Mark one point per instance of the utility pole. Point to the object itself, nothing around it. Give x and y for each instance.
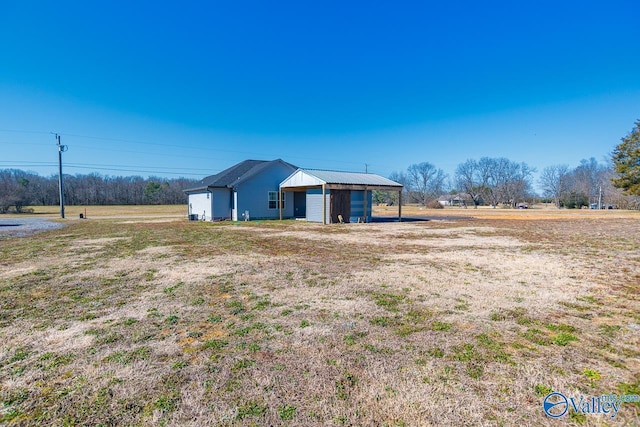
(366, 168)
(600, 198)
(61, 149)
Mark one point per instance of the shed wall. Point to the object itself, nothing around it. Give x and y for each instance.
(357, 205)
(340, 205)
(314, 204)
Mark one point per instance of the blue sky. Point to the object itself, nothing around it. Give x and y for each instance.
(169, 89)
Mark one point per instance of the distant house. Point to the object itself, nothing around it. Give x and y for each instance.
(328, 196)
(460, 199)
(246, 190)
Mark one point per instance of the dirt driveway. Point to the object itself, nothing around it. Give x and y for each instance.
(18, 227)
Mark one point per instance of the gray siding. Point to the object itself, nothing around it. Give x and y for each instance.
(253, 194)
(221, 203)
(314, 205)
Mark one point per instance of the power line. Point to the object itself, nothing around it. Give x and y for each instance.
(24, 161)
(24, 143)
(205, 149)
(100, 165)
(129, 141)
(212, 151)
(114, 169)
(182, 156)
(24, 131)
(137, 170)
(132, 166)
(109, 150)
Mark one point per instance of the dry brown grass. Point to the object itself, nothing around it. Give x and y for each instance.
(541, 211)
(73, 212)
(468, 322)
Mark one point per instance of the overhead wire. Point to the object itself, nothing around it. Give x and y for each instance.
(137, 170)
(196, 148)
(115, 168)
(206, 149)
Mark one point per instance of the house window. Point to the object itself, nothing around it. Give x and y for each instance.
(273, 200)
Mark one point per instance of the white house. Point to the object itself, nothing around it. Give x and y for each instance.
(249, 189)
(460, 199)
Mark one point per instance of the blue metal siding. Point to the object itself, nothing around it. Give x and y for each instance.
(357, 205)
(314, 205)
(253, 195)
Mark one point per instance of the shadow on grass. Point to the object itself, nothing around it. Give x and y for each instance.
(420, 218)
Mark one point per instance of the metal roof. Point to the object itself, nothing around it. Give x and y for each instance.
(319, 177)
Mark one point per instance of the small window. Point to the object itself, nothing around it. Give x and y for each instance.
(273, 200)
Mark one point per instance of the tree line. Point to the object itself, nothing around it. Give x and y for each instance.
(589, 184)
(19, 189)
(487, 181)
(500, 181)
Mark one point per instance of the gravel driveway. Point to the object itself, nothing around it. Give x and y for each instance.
(18, 227)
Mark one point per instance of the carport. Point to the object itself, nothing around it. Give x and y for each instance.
(330, 196)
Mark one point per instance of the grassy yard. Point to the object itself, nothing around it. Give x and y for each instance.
(99, 212)
(147, 319)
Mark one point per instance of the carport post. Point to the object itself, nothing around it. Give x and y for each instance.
(280, 203)
(365, 204)
(324, 204)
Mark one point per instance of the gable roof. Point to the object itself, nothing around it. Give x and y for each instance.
(316, 177)
(236, 174)
(356, 178)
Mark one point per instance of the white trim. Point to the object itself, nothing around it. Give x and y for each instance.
(234, 209)
(280, 200)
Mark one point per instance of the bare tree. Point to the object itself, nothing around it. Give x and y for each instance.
(496, 180)
(554, 182)
(426, 182)
(586, 184)
(488, 176)
(517, 183)
(471, 180)
(587, 178)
